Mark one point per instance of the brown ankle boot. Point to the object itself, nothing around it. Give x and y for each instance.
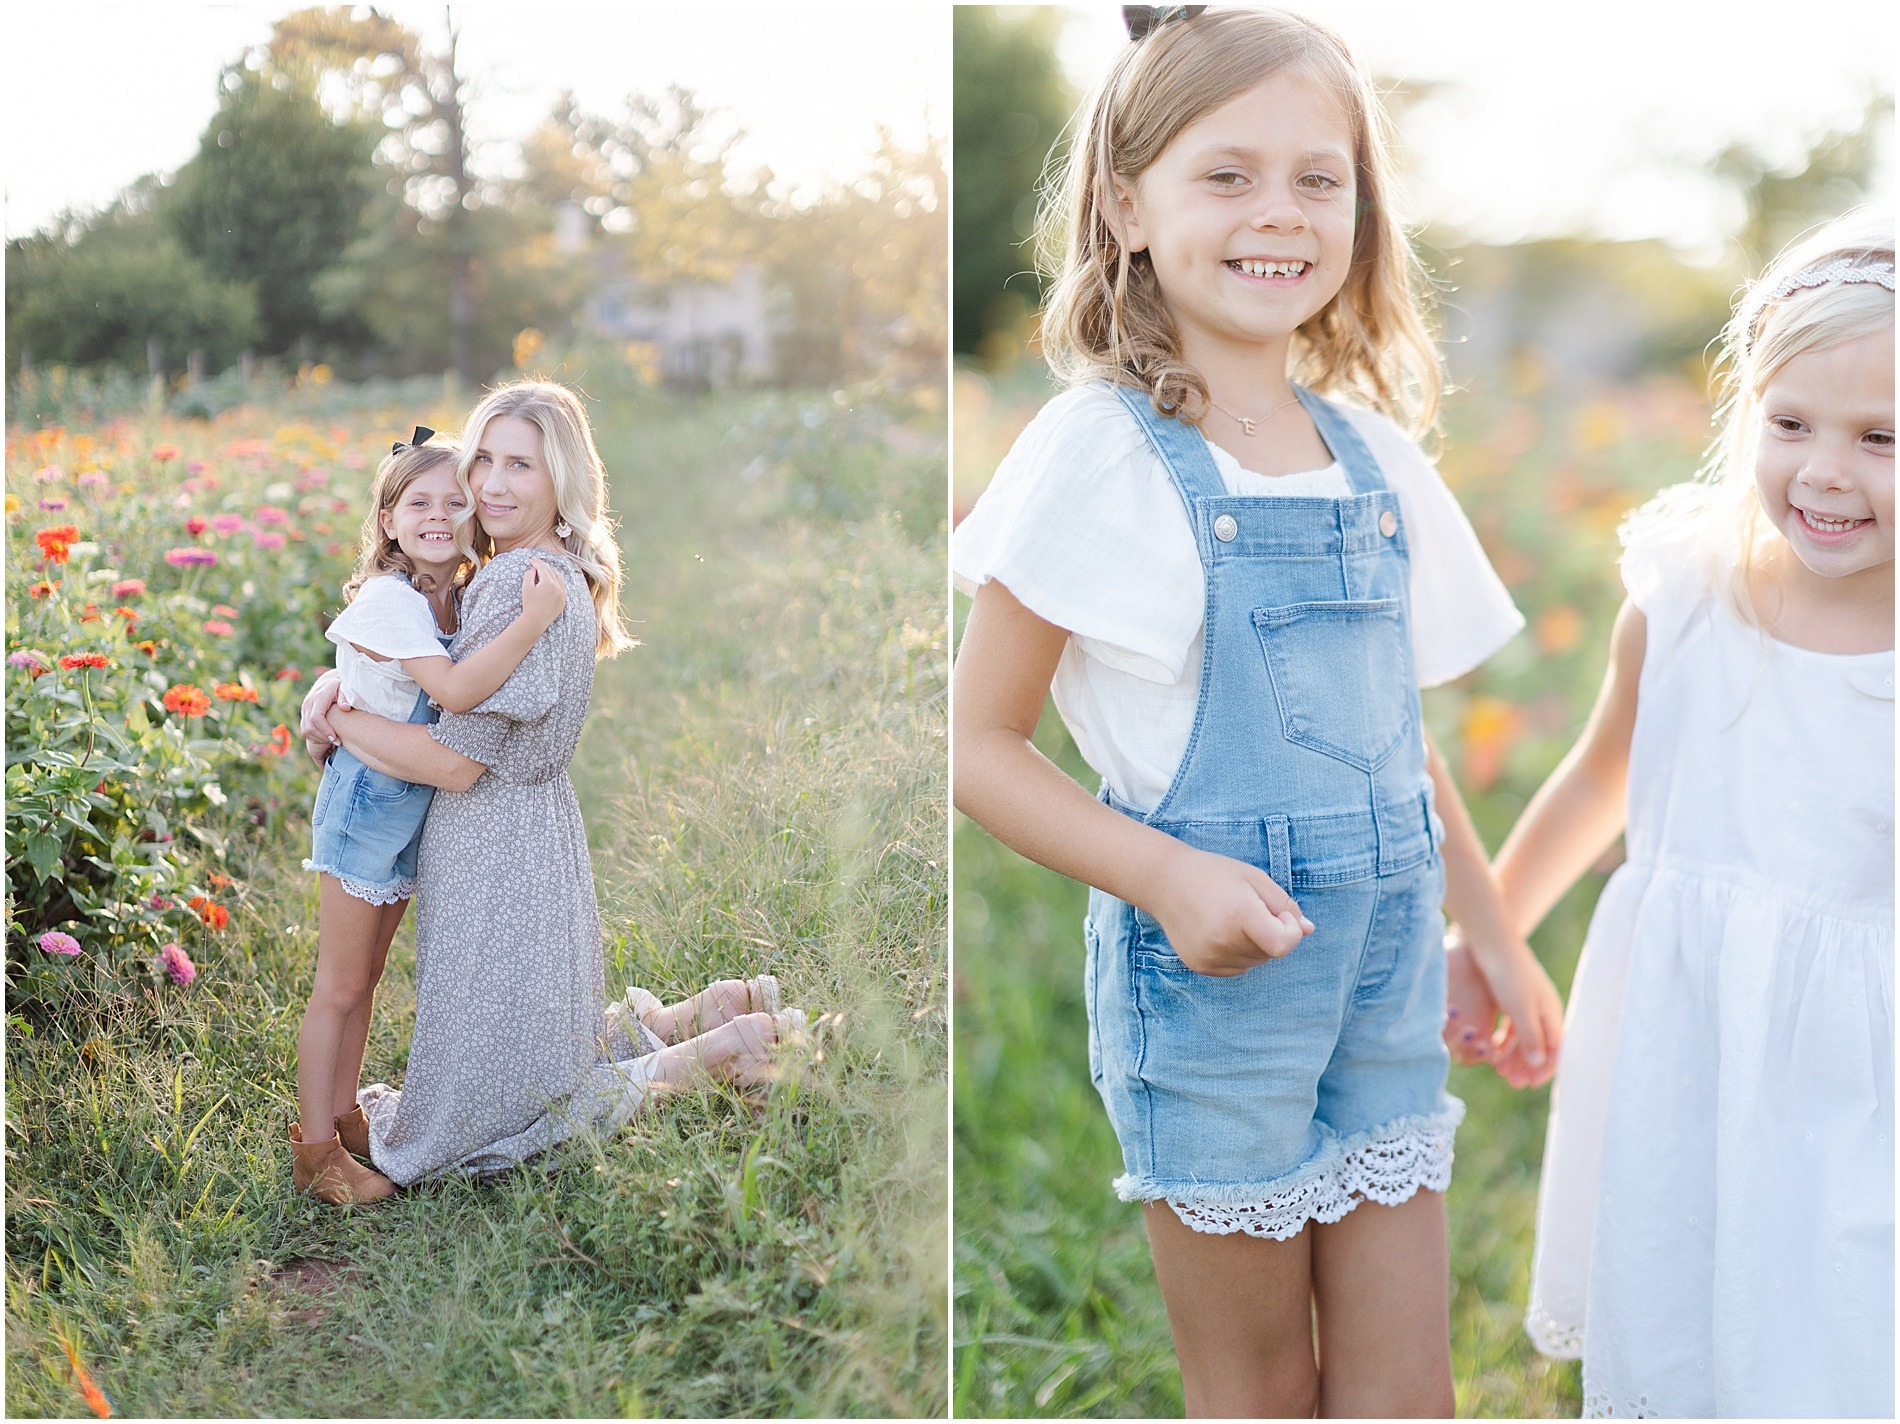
(334, 1176)
(352, 1130)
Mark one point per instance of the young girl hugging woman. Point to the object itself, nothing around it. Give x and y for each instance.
(1234, 586)
(392, 657)
(1715, 1226)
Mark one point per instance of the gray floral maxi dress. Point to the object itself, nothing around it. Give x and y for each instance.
(512, 1049)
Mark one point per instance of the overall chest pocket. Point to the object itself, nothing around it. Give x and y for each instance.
(1341, 675)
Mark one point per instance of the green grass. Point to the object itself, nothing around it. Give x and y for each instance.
(1057, 1312)
(763, 784)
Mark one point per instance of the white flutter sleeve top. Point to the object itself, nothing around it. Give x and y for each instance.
(1082, 524)
(391, 617)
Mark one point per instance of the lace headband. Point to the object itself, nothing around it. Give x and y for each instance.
(1841, 271)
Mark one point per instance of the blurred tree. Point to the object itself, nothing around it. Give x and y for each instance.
(1011, 103)
(99, 290)
(274, 194)
(1782, 201)
(863, 270)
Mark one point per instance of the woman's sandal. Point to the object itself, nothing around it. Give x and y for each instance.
(331, 1174)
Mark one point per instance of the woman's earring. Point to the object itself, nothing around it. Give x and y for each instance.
(563, 529)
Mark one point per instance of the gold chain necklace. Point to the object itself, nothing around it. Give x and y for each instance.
(1246, 425)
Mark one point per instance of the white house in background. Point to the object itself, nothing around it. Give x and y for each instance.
(708, 335)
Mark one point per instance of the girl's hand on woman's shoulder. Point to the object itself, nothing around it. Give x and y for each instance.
(543, 594)
(1224, 916)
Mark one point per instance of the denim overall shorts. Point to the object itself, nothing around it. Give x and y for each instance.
(1293, 1091)
(367, 826)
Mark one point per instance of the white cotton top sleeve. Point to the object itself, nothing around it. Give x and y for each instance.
(1083, 525)
(390, 617)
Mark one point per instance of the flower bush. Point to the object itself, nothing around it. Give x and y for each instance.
(178, 578)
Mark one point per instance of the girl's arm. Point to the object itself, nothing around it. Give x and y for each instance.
(404, 750)
(465, 685)
(1569, 823)
(1510, 971)
(1579, 810)
(1222, 916)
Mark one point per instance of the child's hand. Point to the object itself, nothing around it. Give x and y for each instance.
(1526, 1048)
(1471, 1013)
(1224, 916)
(543, 596)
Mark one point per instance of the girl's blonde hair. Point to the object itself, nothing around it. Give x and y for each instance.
(378, 553)
(1718, 515)
(580, 492)
(1105, 317)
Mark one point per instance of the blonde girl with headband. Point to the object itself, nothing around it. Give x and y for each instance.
(392, 658)
(515, 1047)
(1715, 1225)
(1224, 555)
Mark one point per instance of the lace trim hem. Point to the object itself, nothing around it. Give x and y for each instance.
(1554, 1339)
(1597, 1404)
(1387, 1165)
(389, 894)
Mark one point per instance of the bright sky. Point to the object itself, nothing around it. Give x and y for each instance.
(114, 90)
(1593, 117)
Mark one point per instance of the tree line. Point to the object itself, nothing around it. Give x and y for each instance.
(331, 214)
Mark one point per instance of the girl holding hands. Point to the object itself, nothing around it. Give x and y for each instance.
(1715, 1225)
(1234, 587)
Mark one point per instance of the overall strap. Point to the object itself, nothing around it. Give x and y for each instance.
(1362, 471)
(1181, 447)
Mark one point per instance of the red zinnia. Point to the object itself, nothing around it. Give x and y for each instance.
(195, 525)
(83, 660)
(279, 740)
(210, 911)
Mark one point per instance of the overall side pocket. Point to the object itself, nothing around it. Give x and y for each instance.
(1341, 674)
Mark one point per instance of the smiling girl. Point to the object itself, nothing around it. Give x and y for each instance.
(1715, 1226)
(392, 655)
(1234, 588)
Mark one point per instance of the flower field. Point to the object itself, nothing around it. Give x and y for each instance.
(1056, 1307)
(168, 584)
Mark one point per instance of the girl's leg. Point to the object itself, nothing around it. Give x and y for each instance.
(716, 1004)
(1240, 1309)
(347, 933)
(1382, 1288)
(349, 1063)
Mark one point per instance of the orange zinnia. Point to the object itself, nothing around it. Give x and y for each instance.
(210, 911)
(185, 698)
(83, 660)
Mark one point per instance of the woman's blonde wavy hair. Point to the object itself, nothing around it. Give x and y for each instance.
(1106, 317)
(376, 552)
(1718, 515)
(580, 493)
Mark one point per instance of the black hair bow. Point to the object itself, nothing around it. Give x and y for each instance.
(1144, 20)
(422, 436)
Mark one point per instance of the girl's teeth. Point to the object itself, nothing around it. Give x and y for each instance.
(1257, 267)
(1829, 526)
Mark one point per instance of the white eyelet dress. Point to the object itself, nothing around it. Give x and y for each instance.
(1715, 1225)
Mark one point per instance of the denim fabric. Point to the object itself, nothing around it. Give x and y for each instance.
(1307, 759)
(366, 827)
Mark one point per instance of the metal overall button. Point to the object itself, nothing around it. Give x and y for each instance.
(1388, 524)
(1225, 528)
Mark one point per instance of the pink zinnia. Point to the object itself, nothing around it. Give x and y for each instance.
(217, 627)
(26, 658)
(196, 467)
(53, 942)
(180, 558)
(92, 479)
(46, 474)
(128, 588)
(269, 514)
(177, 964)
(268, 539)
(227, 523)
(54, 504)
